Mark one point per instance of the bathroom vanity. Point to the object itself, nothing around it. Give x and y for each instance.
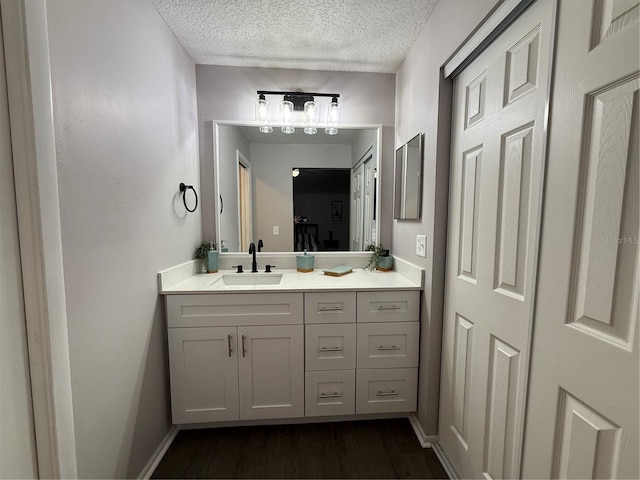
(289, 345)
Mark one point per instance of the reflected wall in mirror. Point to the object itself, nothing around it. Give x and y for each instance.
(255, 188)
(407, 193)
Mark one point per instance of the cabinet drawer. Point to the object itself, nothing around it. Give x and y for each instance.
(330, 347)
(334, 307)
(388, 345)
(234, 309)
(389, 306)
(387, 390)
(330, 393)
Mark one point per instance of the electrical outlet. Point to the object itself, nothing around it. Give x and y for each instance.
(421, 245)
(276, 230)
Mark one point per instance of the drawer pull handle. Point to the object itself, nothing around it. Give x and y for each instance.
(392, 347)
(389, 307)
(244, 345)
(325, 308)
(330, 349)
(330, 395)
(390, 393)
(229, 344)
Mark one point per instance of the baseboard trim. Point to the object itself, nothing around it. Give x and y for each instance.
(424, 439)
(444, 460)
(155, 459)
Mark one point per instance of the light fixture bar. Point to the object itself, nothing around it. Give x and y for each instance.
(297, 98)
(270, 92)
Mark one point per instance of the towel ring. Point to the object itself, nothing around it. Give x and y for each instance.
(183, 189)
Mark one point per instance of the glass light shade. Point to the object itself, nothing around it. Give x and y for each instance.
(295, 172)
(262, 115)
(286, 116)
(310, 117)
(333, 117)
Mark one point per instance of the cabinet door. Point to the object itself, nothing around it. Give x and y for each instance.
(271, 363)
(204, 374)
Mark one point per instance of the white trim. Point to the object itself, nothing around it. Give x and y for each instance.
(157, 456)
(426, 441)
(477, 38)
(444, 461)
(35, 171)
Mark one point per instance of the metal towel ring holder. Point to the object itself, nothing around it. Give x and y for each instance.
(183, 189)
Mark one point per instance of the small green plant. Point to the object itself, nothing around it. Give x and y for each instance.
(202, 249)
(378, 252)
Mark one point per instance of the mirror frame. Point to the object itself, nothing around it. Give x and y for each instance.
(401, 176)
(237, 123)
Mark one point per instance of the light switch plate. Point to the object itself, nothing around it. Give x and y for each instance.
(276, 230)
(421, 245)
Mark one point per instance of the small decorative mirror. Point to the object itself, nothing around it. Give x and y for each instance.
(408, 180)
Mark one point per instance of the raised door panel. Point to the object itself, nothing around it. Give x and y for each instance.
(271, 365)
(204, 374)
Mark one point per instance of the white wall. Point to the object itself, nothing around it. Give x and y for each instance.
(17, 441)
(229, 93)
(231, 139)
(273, 194)
(126, 136)
(422, 105)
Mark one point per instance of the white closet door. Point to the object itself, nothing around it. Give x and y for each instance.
(582, 419)
(497, 167)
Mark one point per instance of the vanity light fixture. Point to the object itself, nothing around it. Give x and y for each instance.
(333, 117)
(262, 114)
(298, 101)
(295, 172)
(286, 116)
(310, 117)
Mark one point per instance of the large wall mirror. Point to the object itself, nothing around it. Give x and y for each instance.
(294, 192)
(407, 194)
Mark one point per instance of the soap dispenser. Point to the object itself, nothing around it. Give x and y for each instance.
(304, 262)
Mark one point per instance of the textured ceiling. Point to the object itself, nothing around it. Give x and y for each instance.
(342, 35)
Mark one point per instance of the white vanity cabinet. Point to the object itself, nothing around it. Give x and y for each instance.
(361, 352)
(277, 355)
(330, 353)
(236, 356)
(388, 333)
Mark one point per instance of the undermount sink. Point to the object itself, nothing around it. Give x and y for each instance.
(249, 279)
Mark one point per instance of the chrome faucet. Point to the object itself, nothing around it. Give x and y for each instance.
(254, 263)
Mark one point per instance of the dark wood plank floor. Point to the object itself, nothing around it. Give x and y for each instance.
(363, 449)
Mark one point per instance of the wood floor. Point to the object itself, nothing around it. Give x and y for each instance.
(363, 449)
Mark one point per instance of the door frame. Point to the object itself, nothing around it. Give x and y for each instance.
(35, 172)
(497, 21)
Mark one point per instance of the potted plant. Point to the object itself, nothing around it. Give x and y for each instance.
(207, 252)
(379, 259)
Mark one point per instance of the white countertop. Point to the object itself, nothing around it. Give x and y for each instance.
(183, 279)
